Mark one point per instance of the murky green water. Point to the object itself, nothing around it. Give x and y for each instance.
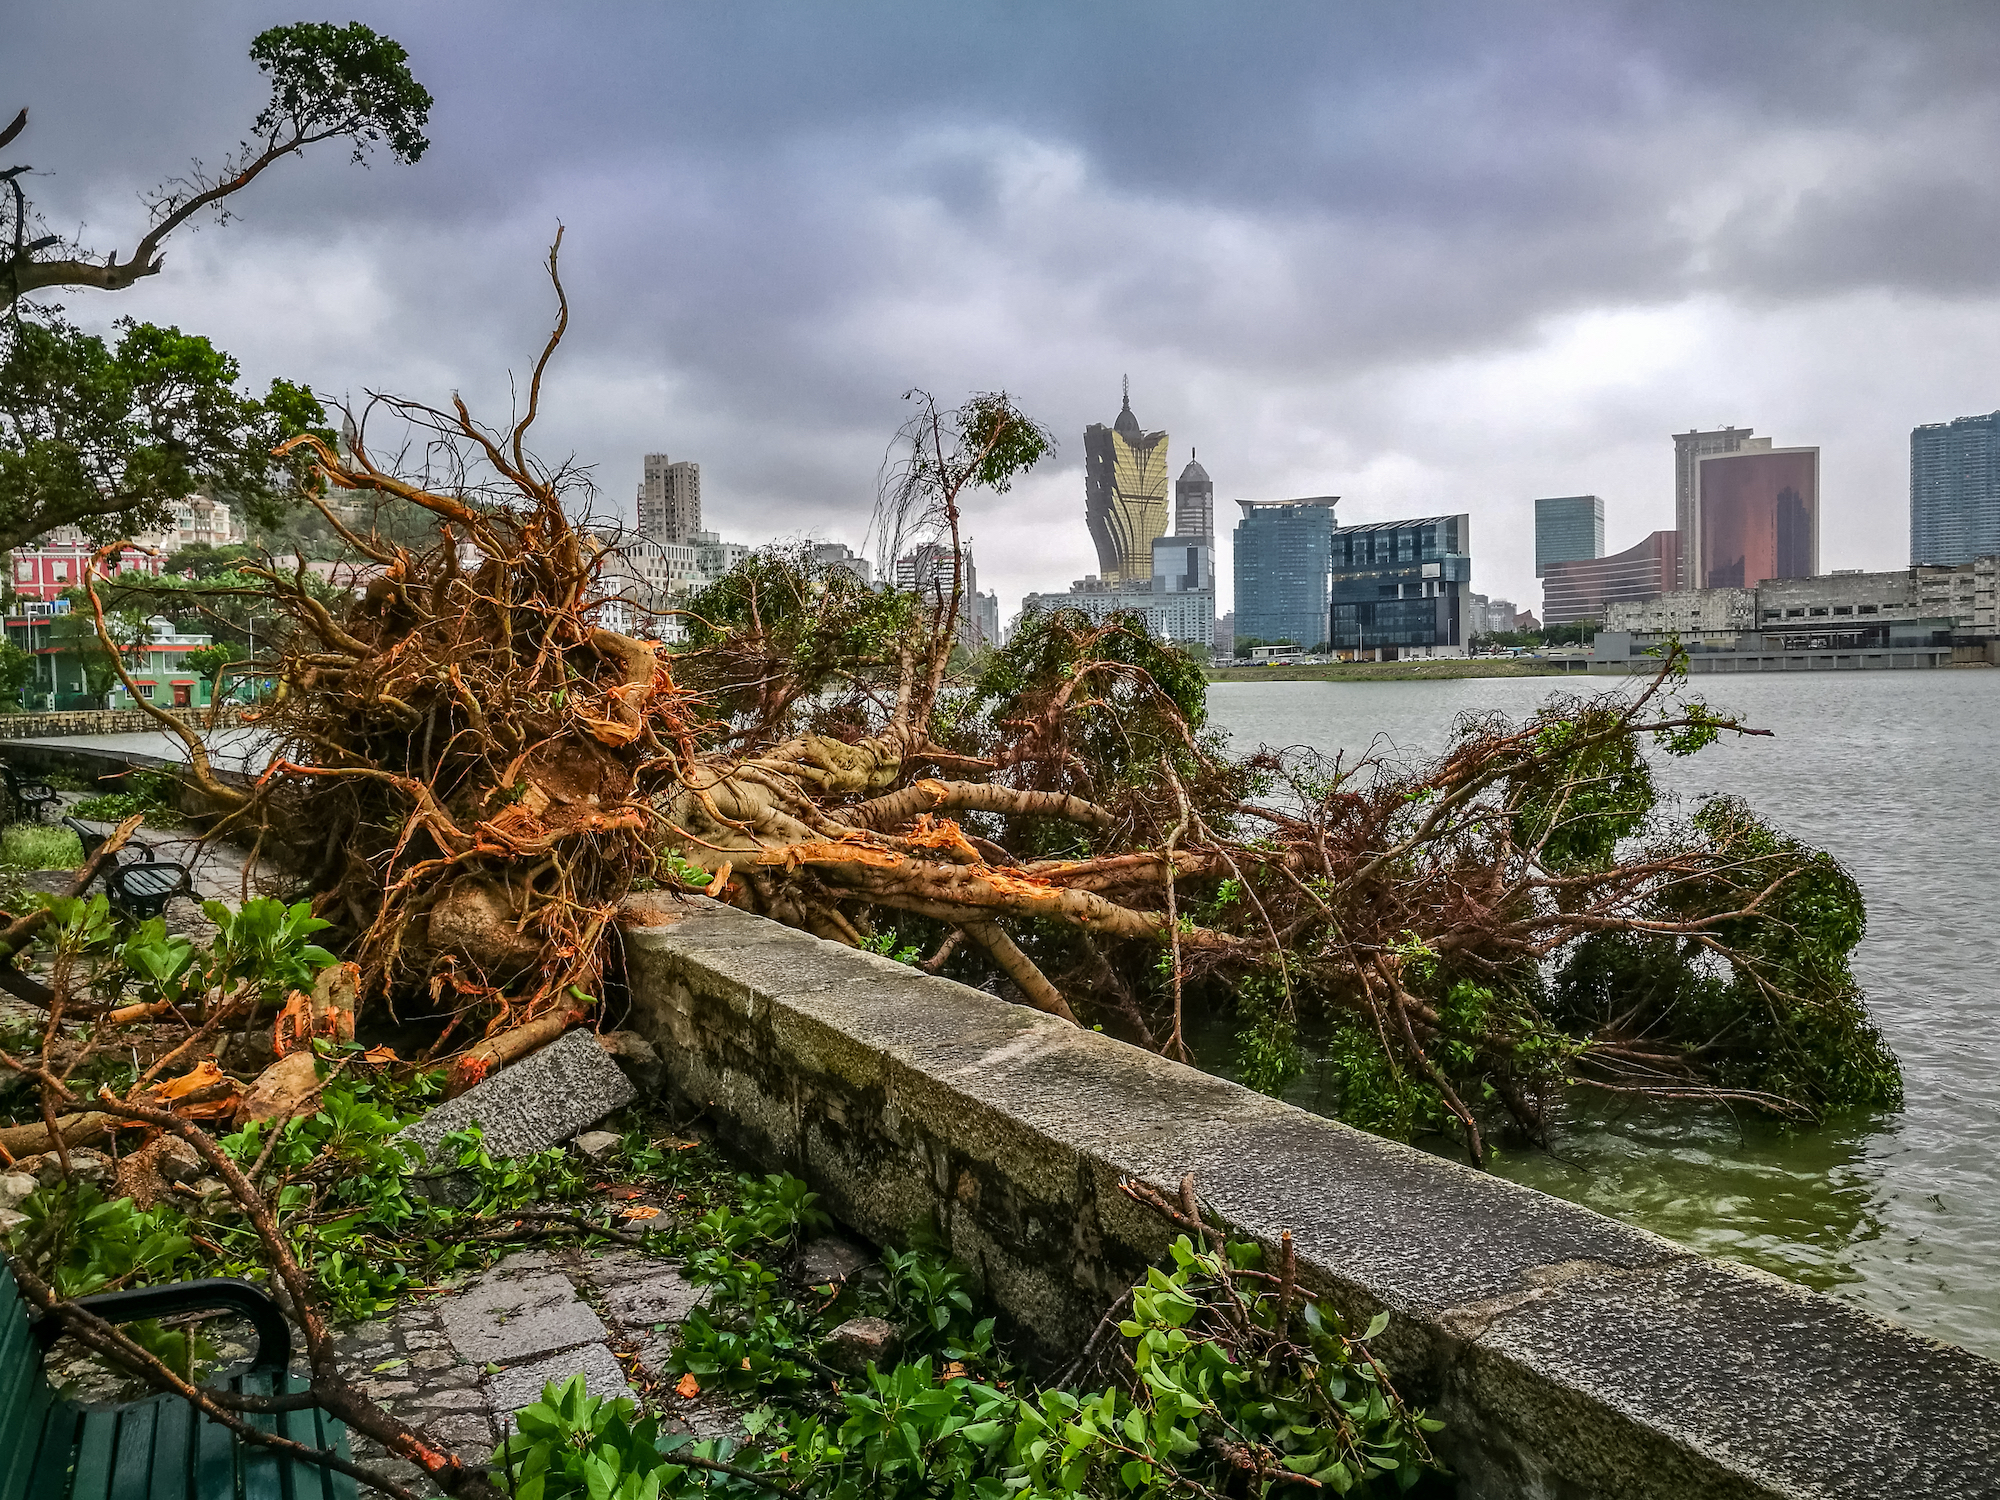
(1896, 774)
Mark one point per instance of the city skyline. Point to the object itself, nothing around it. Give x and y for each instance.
(1318, 278)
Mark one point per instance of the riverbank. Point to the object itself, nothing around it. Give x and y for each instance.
(1393, 671)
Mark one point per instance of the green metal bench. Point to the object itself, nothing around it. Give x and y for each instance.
(161, 1448)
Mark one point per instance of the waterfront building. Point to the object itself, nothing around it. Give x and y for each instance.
(988, 611)
(1964, 598)
(1955, 491)
(1194, 502)
(1125, 494)
(1484, 616)
(669, 502)
(1225, 637)
(1756, 517)
(639, 581)
(1568, 528)
(1399, 588)
(1284, 561)
(1173, 606)
(1573, 592)
(1689, 449)
(840, 555)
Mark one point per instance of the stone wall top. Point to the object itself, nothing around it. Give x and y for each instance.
(1573, 1356)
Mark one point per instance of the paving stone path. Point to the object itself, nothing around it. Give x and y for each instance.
(462, 1362)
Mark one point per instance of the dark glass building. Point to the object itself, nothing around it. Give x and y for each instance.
(1400, 585)
(1568, 528)
(1955, 491)
(1284, 553)
(1194, 502)
(1756, 517)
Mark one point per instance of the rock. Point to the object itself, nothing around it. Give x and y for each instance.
(178, 1161)
(16, 1188)
(500, 1319)
(595, 1145)
(286, 1087)
(521, 1385)
(639, 1059)
(10, 1220)
(539, 1102)
(213, 1194)
(832, 1259)
(663, 1297)
(860, 1342)
(85, 1165)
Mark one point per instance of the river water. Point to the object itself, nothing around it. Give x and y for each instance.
(1894, 774)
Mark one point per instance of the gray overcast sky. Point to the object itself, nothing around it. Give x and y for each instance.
(1429, 257)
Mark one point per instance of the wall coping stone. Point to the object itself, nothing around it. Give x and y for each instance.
(1574, 1356)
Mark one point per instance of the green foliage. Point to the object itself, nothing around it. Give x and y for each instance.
(84, 1244)
(17, 671)
(1588, 787)
(782, 628)
(107, 437)
(340, 82)
(35, 846)
(265, 940)
(1781, 1014)
(1268, 1056)
(154, 793)
(889, 945)
(1315, 1406)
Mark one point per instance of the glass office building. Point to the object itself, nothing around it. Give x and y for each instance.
(1756, 517)
(1284, 555)
(1568, 528)
(1400, 585)
(1574, 592)
(1955, 491)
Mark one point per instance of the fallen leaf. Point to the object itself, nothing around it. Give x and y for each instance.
(746, 1362)
(388, 1364)
(642, 1212)
(687, 1387)
(627, 1194)
(953, 1370)
(380, 1057)
(204, 1075)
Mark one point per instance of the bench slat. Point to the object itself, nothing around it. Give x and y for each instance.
(214, 1460)
(133, 1460)
(96, 1445)
(173, 1452)
(24, 1394)
(59, 1434)
(316, 1429)
(263, 1470)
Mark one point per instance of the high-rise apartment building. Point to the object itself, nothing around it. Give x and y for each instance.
(1194, 502)
(1955, 491)
(1568, 528)
(928, 571)
(670, 500)
(1574, 592)
(1689, 450)
(1125, 494)
(1401, 587)
(1756, 517)
(1284, 557)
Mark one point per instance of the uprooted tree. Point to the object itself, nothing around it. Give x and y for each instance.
(472, 772)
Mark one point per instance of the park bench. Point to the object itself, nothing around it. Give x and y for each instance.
(161, 1448)
(28, 796)
(142, 886)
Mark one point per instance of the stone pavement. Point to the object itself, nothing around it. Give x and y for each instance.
(461, 1363)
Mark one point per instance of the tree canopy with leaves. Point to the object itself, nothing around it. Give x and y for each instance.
(327, 83)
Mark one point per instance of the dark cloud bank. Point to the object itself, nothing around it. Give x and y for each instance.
(1429, 257)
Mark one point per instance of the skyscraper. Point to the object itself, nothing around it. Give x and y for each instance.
(1125, 494)
(670, 500)
(1284, 556)
(1194, 502)
(1756, 517)
(1401, 586)
(1955, 491)
(1568, 528)
(1689, 450)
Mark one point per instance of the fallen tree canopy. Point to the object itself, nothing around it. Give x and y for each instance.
(474, 772)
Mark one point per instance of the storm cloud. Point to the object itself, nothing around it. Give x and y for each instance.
(1431, 257)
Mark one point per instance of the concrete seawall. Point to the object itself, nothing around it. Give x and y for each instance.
(1572, 1356)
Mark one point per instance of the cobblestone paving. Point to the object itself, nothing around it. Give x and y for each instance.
(461, 1362)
